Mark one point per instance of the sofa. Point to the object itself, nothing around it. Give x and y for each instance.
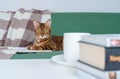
(62, 22)
(94, 23)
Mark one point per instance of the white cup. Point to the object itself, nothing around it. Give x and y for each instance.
(71, 46)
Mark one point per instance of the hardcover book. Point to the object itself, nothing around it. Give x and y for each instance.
(108, 40)
(88, 72)
(104, 58)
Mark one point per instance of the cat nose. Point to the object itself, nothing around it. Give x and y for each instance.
(42, 37)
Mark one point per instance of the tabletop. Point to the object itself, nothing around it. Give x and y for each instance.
(35, 69)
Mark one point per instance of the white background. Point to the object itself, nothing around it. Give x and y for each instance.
(63, 5)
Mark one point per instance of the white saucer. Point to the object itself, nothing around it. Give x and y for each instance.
(60, 60)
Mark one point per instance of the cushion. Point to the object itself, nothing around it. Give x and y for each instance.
(5, 19)
(12, 30)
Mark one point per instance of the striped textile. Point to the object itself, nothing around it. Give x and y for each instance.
(5, 19)
(21, 31)
(12, 30)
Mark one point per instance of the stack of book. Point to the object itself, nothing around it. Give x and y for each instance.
(100, 56)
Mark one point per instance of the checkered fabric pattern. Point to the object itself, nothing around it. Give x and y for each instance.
(21, 30)
(12, 30)
(5, 19)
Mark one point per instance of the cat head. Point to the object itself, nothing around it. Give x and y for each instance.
(42, 30)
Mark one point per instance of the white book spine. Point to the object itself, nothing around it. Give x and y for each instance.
(96, 72)
(99, 40)
(108, 43)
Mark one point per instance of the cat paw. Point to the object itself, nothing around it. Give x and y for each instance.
(38, 48)
(34, 48)
(30, 47)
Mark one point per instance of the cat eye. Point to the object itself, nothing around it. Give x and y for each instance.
(38, 31)
(46, 30)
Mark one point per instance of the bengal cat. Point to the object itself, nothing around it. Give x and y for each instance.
(44, 40)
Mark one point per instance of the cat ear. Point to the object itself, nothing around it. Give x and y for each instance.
(36, 24)
(48, 23)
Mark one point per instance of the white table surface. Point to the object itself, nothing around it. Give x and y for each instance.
(35, 69)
